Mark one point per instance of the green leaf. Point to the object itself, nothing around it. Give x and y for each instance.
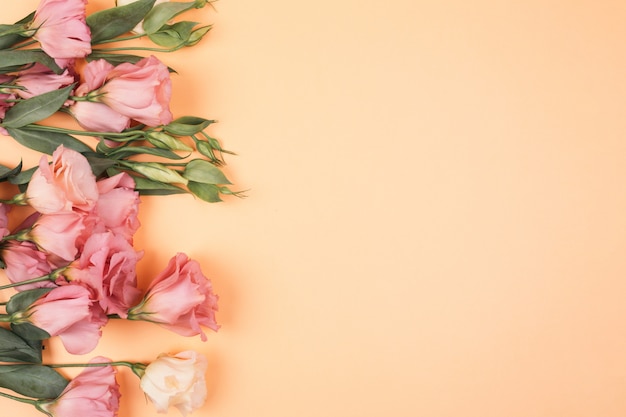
(35, 381)
(187, 125)
(147, 186)
(24, 57)
(46, 142)
(9, 35)
(24, 299)
(162, 13)
(30, 331)
(197, 35)
(23, 177)
(171, 36)
(114, 59)
(98, 163)
(15, 349)
(199, 170)
(110, 23)
(6, 173)
(36, 108)
(206, 192)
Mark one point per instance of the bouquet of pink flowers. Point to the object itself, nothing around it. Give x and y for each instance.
(73, 251)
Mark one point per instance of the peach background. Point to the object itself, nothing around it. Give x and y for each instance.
(436, 221)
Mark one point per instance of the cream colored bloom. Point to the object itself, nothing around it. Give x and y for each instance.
(139, 28)
(176, 381)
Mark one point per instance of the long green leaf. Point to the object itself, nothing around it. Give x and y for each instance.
(46, 142)
(147, 186)
(23, 57)
(35, 381)
(6, 173)
(162, 13)
(36, 108)
(206, 192)
(15, 349)
(110, 23)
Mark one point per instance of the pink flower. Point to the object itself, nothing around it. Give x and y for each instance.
(140, 91)
(24, 261)
(61, 29)
(69, 312)
(94, 393)
(64, 185)
(107, 266)
(118, 205)
(4, 219)
(176, 381)
(180, 299)
(40, 79)
(57, 234)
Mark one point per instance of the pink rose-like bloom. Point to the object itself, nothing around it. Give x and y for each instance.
(65, 185)
(180, 299)
(57, 234)
(4, 219)
(176, 381)
(94, 393)
(107, 266)
(140, 92)
(61, 29)
(69, 312)
(39, 79)
(118, 206)
(24, 261)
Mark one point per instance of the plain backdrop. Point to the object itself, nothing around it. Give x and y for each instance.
(435, 221)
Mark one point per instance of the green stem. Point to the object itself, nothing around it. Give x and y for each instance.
(49, 277)
(127, 38)
(130, 48)
(21, 45)
(90, 365)
(43, 128)
(20, 399)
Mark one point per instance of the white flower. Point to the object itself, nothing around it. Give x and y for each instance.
(139, 28)
(176, 381)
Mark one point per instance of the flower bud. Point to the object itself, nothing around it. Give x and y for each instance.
(158, 172)
(164, 141)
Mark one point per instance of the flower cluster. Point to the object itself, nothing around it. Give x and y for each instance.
(70, 260)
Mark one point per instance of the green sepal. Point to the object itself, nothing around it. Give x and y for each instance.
(35, 381)
(17, 58)
(199, 170)
(46, 142)
(36, 108)
(207, 192)
(187, 125)
(6, 173)
(110, 23)
(164, 12)
(15, 349)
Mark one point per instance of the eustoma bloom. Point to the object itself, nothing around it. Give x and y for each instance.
(180, 299)
(176, 381)
(67, 312)
(61, 29)
(94, 393)
(112, 96)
